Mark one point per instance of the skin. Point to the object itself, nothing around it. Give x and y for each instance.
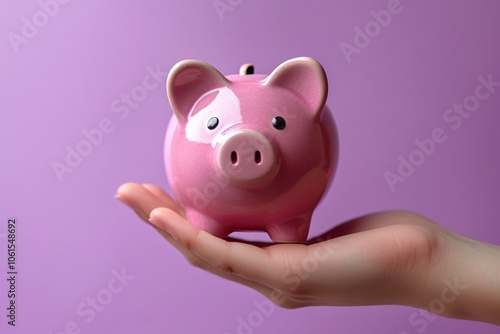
(393, 257)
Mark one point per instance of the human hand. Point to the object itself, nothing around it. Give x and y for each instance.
(395, 257)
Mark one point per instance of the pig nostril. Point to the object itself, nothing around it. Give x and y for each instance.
(234, 157)
(258, 157)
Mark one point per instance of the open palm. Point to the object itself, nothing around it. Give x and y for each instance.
(368, 260)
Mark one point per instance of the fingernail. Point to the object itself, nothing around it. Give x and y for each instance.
(161, 224)
(137, 211)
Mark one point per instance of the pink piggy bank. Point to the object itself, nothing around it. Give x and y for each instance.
(250, 151)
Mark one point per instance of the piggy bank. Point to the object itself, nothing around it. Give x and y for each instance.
(249, 151)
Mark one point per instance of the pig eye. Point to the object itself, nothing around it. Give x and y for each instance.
(279, 123)
(212, 123)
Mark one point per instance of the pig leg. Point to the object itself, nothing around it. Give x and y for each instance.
(207, 224)
(293, 230)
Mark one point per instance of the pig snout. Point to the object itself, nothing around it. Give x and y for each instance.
(247, 157)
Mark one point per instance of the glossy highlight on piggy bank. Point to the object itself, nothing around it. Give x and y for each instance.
(250, 152)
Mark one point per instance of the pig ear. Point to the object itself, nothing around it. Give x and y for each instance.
(304, 77)
(187, 81)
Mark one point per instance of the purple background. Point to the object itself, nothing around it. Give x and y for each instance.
(72, 233)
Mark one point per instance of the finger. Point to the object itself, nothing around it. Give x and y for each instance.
(145, 198)
(140, 199)
(199, 262)
(370, 222)
(244, 260)
(170, 203)
(167, 200)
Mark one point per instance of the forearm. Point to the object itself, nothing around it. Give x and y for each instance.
(465, 282)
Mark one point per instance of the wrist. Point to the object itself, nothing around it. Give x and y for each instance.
(464, 280)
